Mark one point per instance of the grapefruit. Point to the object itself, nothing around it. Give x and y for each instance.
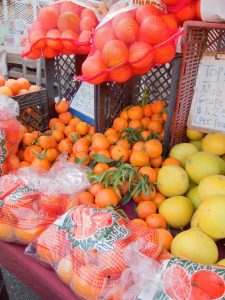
(211, 217)
(194, 135)
(140, 55)
(214, 143)
(197, 144)
(47, 18)
(182, 151)
(94, 66)
(153, 30)
(211, 186)
(194, 219)
(193, 244)
(172, 181)
(201, 165)
(193, 195)
(68, 20)
(177, 211)
(221, 262)
(126, 30)
(114, 53)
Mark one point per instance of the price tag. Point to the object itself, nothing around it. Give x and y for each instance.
(207, 112)
(82, 104)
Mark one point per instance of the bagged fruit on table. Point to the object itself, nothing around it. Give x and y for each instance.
(129, 41)
(175, 278)
(31, 200)
(86, 247)
(205, 10)
(11, 133)
(63, 27)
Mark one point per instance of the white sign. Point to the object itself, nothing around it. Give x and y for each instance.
(82, 104)
(208, 106)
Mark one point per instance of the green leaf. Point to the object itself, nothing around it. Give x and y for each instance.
(80, 160)
(75, 137)
(102, 159)
(126, 199)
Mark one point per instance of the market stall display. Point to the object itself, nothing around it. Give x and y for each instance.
(64, 27)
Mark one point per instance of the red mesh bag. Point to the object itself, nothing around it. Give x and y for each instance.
(86, 247)
(26, 208)
(11, 133)
(130, 41)
(64, 27)
(184, 10)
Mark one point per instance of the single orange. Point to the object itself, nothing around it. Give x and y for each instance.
(44, 142)
(28, 139)
(156, 162)
(155, 126)
(139, 222)
(107, 197)
(82, 128)
(171, 161)
(150, 172)
(139, 158)
(100, 168)
(153, 148)
(120, 123)
(85, 197)
(135, 113)
(65, 146)
(96, 187)
(145, 208)
(159, 199)
(120, 153)
(65, 117)
(166, 238)
(51, 154)
(135, 124)
(61, 106)
(156, 221)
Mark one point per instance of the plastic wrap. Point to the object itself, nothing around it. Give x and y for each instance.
(32, 200)
(129, 41)
(175, 278)
(11, 133)
(63, 27)
(86, 247)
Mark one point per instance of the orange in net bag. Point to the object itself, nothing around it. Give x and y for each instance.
(35, 199)
(129, 41)
(86, 247)
(63, 27)
(11, 133)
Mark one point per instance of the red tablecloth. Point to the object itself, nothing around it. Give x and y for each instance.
(41, 280)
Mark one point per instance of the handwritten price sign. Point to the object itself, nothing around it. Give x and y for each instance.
(208, 106)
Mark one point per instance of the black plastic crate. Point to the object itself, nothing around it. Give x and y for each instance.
(34, 111)
(111, 98)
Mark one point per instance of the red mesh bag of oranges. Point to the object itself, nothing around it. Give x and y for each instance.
(11, 133)
(86, 247)
(130, 41)
(26, 208)
(64, 27)
(174, 279)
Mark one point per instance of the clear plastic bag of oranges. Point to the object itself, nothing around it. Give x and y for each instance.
(11, 133)
(129, 41)
(63, 27)
(175, 278)
(86, 247)
(27, 207)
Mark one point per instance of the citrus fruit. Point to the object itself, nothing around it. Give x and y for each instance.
(53, 39)
(103, 35)
(121, 74)
(47, 18)
(182, 152)
(68, 20)
(140, 55)
(145, 11)
(176, 283)
(211, 186)
(211, 217)
(139, 158)
(194, 135)
(172, 181)
(153, 30)
(177, 211)
(197, 144)
(65, 269)
(114, 53)
(156, 221)
(2, 80)
(221, 262)
(194, 219)
(193, 244)
(126, 30)
(193, 195)
(146, 208)
(214, 143)
(94, 67)
(6, 230)
(164, 54)
(201, 165)
(165, 237)
(222, 165)
(4, 90)
(106, 197)
(187, 12)
(26, 235)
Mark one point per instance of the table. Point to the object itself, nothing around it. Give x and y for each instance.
(41, 280)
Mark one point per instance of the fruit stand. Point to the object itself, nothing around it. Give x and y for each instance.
(112, 174)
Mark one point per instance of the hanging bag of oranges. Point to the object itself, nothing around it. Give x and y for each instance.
(86, 247)
(31, 200)
(129, 41)
(11, 133)
(63, 27)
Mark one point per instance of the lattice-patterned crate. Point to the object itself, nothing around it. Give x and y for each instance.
(111, 97)
(34, 113)
(200, 38)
